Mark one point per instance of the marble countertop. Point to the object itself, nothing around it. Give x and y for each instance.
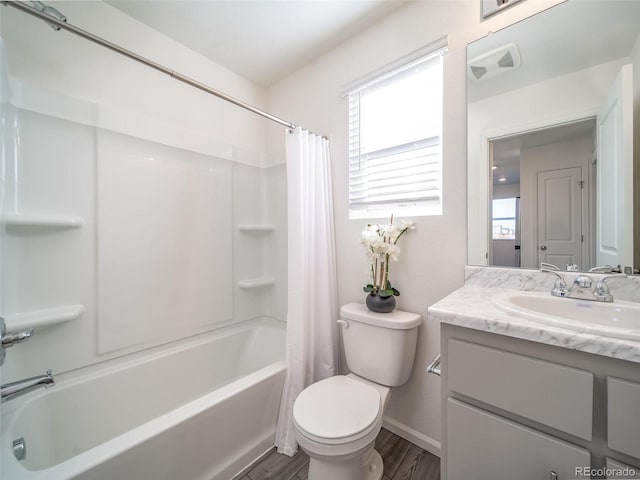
(471, 307)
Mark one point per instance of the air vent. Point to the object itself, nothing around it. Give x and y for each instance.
(478, 72)
(495, 62)
(506, 61)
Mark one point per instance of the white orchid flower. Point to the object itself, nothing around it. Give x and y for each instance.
(380, 247)
(408, 224)
(393, 251)
(368, 237)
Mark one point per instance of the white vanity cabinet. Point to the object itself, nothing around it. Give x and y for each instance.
(517, 409)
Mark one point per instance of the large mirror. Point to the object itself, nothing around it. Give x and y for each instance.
(550, 139)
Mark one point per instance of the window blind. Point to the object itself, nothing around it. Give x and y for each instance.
(395, 152)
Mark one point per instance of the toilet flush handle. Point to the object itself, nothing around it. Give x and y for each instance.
(343, 323)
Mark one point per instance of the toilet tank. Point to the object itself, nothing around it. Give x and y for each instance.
(379, 346)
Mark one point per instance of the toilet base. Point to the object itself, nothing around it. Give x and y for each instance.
(366, 467)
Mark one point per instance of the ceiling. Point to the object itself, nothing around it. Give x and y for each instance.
(506, 151)
(261, 40)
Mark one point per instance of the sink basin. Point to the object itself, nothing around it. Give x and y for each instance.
(617, 319)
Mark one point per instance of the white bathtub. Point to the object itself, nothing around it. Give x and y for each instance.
(200, 410)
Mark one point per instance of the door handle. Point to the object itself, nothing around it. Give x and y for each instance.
(543, 247)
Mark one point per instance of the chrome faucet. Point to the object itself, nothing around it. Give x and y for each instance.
(21, 387)
(581, 287)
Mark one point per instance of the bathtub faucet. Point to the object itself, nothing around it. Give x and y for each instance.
(16, 389)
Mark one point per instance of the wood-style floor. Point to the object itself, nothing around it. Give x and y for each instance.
(402, 461)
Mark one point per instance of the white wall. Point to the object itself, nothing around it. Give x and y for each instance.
(434, 255)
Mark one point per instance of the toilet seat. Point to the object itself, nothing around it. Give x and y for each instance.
(337, 410)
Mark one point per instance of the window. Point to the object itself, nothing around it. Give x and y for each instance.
(504, 219)
(395, 133)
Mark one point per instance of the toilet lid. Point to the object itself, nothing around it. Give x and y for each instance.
(337, 407)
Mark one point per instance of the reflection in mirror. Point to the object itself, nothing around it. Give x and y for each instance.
(550, 139)
(553, 161)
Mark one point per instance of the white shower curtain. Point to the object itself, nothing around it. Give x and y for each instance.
(312, 304)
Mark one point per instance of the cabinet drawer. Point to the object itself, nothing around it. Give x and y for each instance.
(623, 416)
(483, 446)
(617, 470)
(551, 394)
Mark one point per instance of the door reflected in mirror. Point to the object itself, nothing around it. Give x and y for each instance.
(550, 139)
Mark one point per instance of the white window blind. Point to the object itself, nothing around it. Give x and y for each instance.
(395, 152)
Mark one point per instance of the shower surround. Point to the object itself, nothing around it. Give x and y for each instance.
(129, 241)
(116, 243)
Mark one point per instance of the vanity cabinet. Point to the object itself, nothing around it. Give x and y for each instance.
(520, 409)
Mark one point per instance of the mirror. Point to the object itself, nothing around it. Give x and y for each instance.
(550, 139)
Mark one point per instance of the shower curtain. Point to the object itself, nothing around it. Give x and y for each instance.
(312, 303)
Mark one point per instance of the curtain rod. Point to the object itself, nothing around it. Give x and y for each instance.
(62, 24)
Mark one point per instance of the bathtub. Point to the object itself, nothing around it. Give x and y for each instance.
(201, 410)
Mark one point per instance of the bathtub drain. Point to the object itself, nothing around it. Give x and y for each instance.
(20, 449)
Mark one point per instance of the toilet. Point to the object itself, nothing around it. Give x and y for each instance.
(337, 420)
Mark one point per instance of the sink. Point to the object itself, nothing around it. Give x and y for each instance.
(616, 319)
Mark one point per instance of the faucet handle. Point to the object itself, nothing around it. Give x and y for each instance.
(545, 267)
(601, 291)
(9, 339)
(602, 269)
(560, 287)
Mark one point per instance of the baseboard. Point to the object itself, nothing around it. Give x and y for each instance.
(413, 436)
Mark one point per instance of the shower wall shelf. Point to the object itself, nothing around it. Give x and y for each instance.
(42, 220)
(43, 318)
(256, 227)
(259, 282)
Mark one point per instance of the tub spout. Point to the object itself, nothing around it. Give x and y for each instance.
(21, 387)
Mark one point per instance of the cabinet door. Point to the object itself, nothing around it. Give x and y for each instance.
(617, 470)
(623, 416)
(483, 446)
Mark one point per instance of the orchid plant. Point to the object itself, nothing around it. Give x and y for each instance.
(381, 245)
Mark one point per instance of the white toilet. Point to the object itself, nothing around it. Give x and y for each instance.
(337, 420)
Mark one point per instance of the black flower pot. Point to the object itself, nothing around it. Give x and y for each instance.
(379, 304)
